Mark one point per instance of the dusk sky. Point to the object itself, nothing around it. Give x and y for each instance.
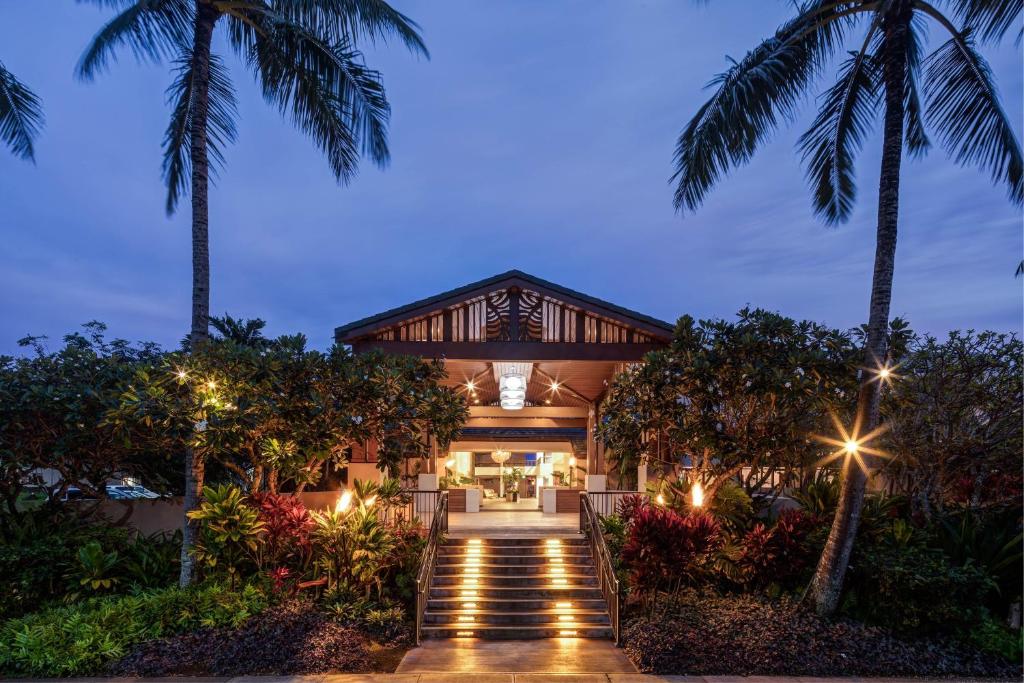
(539, 136)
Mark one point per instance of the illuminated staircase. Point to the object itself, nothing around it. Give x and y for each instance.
(515, 588)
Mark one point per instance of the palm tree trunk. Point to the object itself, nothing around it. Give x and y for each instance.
(827, 584)
(195, 464)
(195, 473)
(206, 17)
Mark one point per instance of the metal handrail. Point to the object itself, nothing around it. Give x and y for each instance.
(428, 560)
(590, 526)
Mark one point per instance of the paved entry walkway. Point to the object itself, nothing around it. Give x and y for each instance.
(507, 522)
(550, 656)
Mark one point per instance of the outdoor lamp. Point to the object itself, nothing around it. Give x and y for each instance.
(697, 494)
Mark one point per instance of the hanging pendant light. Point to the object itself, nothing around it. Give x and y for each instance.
(512, 380)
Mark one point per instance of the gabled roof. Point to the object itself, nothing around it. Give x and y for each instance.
(507, 279)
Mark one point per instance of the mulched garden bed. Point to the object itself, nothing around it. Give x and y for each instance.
(746, 635)
(293, 638)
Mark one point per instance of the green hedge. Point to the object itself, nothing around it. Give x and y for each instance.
(82, 639)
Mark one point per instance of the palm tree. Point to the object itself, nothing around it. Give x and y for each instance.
(951, 91)
(21, 115)
(303, 56)
(241, 331)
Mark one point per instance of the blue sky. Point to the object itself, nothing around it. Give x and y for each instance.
(538, 136)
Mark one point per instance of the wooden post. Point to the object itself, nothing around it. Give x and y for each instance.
(592, 465)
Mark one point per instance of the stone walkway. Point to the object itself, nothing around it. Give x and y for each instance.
(550, 656)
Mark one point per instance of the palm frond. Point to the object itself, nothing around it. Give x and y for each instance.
(752, 96)
(989, 19)
(830, 145)
(963, 106)
(328, 91)
(915, 138)
(221, 130)
(21, 115)
(348, 20)
(152, 29)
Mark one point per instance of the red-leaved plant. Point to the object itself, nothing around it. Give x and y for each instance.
(666, 550)
(628, 506)
(287, 526)
(776, 555)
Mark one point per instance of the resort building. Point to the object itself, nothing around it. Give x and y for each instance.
(534, 360)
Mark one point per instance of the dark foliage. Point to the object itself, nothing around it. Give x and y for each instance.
(42, 561)
(778, 555)
(914, 589)
(743, 635)
(293, 638)
(665, 548)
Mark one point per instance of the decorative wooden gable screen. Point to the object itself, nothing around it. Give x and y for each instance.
(514, 314)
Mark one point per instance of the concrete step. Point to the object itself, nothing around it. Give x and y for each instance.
(512, 569)
(530, 618)
(518, 541)
(517, 592)
(515, 558)
(512, 604)
(516, 632)
(515, 588)
(515, 580)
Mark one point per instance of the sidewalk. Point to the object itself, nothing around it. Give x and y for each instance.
(497, 678)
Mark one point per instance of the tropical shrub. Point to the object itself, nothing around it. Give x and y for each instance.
(914, 589)
(403, 562)
(96, 571)
(351, 548)
(615, 530)
(230, 531)
(386, 623)
(990, 539)
(41, 551)
(286, 530)
(153, 561)
(772, 557)
(628, 506)
(81, 639)
(665, 549)
(820, 496)
(995, 638)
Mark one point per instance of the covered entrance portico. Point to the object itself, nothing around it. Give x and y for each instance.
(533, 360)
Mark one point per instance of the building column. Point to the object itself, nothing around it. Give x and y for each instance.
(596, 480)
